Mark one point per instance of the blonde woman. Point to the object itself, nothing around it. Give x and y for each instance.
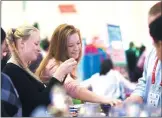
(66, 43)
(24, 46)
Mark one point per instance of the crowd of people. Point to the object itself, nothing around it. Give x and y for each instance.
(23, 87)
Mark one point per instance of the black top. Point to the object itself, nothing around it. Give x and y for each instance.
(131, 59)
(32, 92)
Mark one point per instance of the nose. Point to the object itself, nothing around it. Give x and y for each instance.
(76, 48)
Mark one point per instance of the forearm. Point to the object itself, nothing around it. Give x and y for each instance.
(127, 84)
(88, 96)
(79, 92)
(134, 99)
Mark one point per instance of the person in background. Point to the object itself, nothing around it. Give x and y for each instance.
(109, 82)
(131, 60)
(44, 45)
(142, 49)
(10, 102)
(66, 43)
(150, 83)
(139, 67)
(31, 89)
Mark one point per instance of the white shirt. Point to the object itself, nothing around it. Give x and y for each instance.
(110, 85)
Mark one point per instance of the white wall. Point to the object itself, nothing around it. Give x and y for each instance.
(11, 14)
(91, 18)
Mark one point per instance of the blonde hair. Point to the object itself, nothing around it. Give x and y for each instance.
(58, 47)
(22, 32)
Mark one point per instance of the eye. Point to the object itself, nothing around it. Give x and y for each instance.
(70, 46)
(36, 44)
(78, 43)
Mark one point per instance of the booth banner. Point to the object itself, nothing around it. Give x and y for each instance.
(116, 50)
(114, 33)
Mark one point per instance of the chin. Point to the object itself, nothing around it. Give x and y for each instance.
(34, 59)
(75, 57)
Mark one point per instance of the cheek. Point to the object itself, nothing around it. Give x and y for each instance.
(80, 47)
(29, 49)
(69, 50)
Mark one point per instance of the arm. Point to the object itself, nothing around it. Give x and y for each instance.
(139, 93)
(125, 82)
(9, 107)
(75, 90)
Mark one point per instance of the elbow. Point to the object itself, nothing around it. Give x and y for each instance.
(72, 89)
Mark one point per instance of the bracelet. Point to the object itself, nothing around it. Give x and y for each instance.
(64, 79)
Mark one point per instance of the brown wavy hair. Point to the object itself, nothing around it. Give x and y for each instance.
(58, 47)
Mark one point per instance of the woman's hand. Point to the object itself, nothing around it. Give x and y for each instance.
(49, 70)
(65, 68)
(112, 102)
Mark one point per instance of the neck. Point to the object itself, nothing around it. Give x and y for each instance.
(25, 63)
(23, 60)
(13, 60)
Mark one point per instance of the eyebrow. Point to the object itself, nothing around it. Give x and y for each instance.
(70, 43)
(73, 43)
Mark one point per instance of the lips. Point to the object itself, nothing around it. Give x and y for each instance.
(37, 53)
(4, 54)
(74, 53)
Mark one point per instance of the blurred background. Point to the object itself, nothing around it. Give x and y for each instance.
(115, 30)
(107, 28)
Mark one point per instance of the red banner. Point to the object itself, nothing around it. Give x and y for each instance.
(67, 8)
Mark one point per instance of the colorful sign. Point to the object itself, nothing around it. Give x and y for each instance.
(116, 50)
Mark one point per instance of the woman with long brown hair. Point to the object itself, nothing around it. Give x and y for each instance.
(66, 43)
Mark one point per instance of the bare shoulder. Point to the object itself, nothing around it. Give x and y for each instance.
(52, 60)
(52, 63)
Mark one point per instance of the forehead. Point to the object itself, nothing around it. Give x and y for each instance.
(73, 38)
(151, 18)
(35, 35)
